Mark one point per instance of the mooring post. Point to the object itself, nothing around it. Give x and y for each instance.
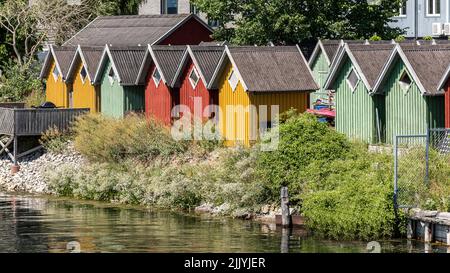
(428, 236)
(448, 236)
(285, 212)
(15, 167)
(410, 229)
(285, 238)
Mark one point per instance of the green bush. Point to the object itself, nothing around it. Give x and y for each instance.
(36, 98)
(169, 186)
(17, 83)
(55, 141)
(302, 140)
(375, 38)
(428, 38)
(352, 198)
(400, 38)
(104, 139)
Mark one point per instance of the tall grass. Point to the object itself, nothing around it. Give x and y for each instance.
(103, 139)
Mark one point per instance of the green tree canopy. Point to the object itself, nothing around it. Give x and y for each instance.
(290, 21)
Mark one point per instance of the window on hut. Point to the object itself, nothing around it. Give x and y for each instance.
(194, 78)
(156, 76)
(55, 73)
(352, 80)
(111, 75)
(405, 81)
(233, 80)
(83, 74)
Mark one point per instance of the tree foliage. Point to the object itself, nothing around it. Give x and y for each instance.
(290, 21)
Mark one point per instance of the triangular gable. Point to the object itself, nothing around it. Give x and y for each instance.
(398, 54)
(189, 55)
(106, 57)
(80, 57)
(337, 65)
(444, 80)
(320, 48)
(226, 57)
(51, 57)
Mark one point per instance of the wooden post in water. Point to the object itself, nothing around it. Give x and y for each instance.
(286, 220)
(410, 230)
(428, 233)
(15, 168)
(448, 236)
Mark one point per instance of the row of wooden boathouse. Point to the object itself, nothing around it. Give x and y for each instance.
(380, 89)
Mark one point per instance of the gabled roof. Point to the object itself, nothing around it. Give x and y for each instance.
(62, 56)
(125, 61)
(368, 60)
(331, 48)
(131, 30)
(267, 69)
(426, 64)
(205, 59)
(166, 58)
(90, 57)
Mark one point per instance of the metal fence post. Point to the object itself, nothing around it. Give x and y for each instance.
(395, 172)
(427, 157)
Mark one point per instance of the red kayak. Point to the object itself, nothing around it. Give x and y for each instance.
(323, 113)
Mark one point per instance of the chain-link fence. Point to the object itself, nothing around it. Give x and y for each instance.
(410, 169)
(416, 160)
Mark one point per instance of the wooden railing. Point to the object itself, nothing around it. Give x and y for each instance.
(31, 122)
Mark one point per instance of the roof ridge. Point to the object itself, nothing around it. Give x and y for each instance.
(180, 15)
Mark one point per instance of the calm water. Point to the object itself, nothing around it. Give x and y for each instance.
(42, 224)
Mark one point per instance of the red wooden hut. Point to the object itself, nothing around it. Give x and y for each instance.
(157, 73)
(445, 86)
(193, 75)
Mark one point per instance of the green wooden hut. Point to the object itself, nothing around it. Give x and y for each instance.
(320, 62)
(359, 113)
(410, 83)
(117, 74)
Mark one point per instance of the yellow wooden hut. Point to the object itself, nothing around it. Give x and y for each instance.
(54, 73)
(254, 81)
(84, 93)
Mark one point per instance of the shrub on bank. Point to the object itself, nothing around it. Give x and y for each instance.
(352, 197)
(104, 139)
(342, 189)
(302, 141)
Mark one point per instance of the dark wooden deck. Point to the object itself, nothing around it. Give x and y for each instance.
(34, 122)
(16, 122)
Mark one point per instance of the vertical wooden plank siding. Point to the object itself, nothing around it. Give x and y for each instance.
(234, 127)
(355, 111)
(134, 99)
(57, 91)
(188, 94)
(159, 100)
(284, 100)
(190, 33)
(410, 112)
(447, 105)
(242, 125)
(112, 96)
(320, 70)
(84, 93)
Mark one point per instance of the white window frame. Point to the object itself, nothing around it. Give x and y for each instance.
(55, 75)
(155, 80)
(400, 10)
(402, 84)
(112, 78)
(348, 81)
(194, 84)
(433, 12)
(232, 84)
(83, 80)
